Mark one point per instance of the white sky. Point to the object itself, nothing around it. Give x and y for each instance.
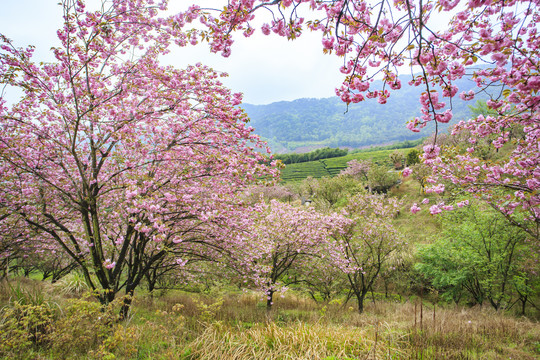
(265, 68)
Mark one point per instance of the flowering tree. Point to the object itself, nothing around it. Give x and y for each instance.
(275, 191)
(369, 243)
(494, 43)
(357, 169)
(282, 241)
(115, 158)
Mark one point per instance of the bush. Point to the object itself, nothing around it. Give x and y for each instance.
(380, 180)
(23, 326)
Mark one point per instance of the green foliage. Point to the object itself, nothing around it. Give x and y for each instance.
(481, 108)
(318, 154)
(329, 191)
(23, 326)
(207, 312)
(420, 173)
(478, 253)
(412, 157)
(396, 157)
(380, 180)
(84, 326)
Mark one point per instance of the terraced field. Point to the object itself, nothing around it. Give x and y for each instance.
(297, 172)
(332, 166)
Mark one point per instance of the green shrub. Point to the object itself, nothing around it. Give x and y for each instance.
(84, 326)
(23, 327)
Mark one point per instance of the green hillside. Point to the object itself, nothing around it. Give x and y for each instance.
(332, 166)
(307, 124)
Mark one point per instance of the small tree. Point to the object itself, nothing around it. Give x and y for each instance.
(322, 280)
(331, 190)
(357, 169)
(282, 241)
(368, 243)
(380, 180)
(397, 158)
(421, 173)
(412, 157)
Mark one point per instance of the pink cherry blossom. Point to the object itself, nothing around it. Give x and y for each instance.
(406, 172)
(435, 209)
(415, 208)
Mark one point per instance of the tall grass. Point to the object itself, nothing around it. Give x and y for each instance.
(237, 326)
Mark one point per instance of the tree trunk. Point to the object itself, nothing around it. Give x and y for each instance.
(523, 304)
(360, 296)
(126, 304)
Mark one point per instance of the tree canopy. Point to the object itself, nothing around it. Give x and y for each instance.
(117, 160)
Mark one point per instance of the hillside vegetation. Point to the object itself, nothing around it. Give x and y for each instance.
(306, 124)
(407, 312)
(214, 325)
(332, 166)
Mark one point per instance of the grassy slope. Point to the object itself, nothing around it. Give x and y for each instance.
(332, 166)
(236, 325)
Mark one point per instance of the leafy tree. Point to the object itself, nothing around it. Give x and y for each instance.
(308, 187)
(397, 158)
(481, 108)
(421, 173)
(118, 159)
(330, 190)
(380, 180)
(479, 253)
(322, 280)
(412, 157)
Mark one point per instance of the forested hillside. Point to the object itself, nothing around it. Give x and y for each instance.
(304, 124)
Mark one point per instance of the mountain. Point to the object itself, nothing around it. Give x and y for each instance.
(305, 124)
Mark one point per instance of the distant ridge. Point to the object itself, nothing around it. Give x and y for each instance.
(306, 124)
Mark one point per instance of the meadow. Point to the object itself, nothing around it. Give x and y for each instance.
(44, 321)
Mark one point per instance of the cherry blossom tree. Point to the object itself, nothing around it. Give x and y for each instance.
(275, 191)
(282, 242)
(493, 43)
(118, 160)
(357, 169)
(368, 243)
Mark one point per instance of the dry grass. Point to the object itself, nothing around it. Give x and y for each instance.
(292, 341)
(237, 326)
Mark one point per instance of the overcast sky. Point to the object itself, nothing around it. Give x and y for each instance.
(265, 68)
